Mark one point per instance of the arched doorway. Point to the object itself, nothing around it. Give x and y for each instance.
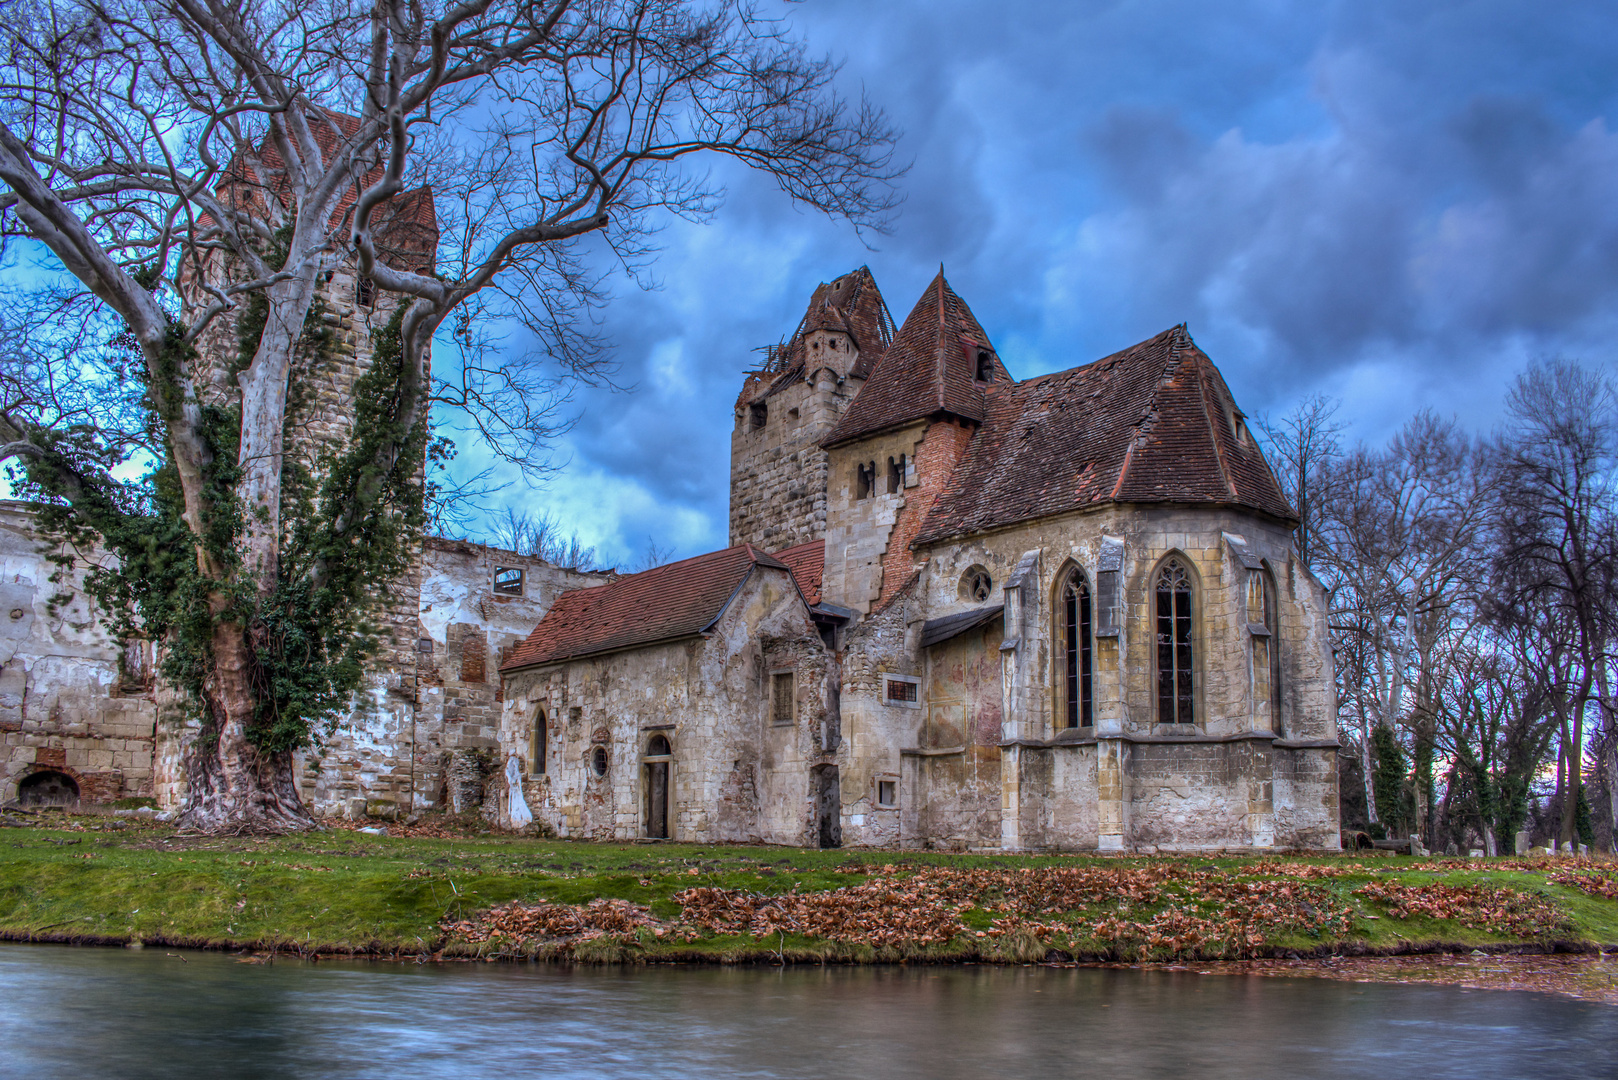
(48, 788)
(656, 762)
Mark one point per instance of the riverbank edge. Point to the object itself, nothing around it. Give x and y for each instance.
(631, 954)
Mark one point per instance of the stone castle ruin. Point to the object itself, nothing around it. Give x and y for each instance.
(957, 611)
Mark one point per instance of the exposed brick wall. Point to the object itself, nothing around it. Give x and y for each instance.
(937, 455)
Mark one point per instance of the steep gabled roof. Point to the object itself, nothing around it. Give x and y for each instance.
(679, 600)
(1153, 423)
(929, 370)
(808, 565)
(851, 304)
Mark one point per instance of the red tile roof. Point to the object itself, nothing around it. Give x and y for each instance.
(929, 370)
(808, 565)
(852, 304)
(679, 600)
(1153, 423)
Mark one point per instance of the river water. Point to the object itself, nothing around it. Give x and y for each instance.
(150, 1013)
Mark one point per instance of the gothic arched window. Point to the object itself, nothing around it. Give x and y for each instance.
(1175, 696)
(1075, 631)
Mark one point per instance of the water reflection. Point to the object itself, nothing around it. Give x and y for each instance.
(108, 1012)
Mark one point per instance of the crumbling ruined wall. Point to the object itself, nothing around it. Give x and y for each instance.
(778, 472)
(390, 763)
(73, 701)
(883, 736)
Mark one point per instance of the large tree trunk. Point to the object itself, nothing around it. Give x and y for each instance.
(231, 785)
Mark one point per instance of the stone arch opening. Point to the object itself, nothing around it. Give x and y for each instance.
(48, 787)
(826, 792)
(541, 741)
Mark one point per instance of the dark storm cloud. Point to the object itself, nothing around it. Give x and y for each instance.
(1400, 203)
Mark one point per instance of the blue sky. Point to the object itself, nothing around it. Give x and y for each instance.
(1396, 203)
(1399, 204)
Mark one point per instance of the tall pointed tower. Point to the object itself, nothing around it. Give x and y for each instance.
(896, 447)
(778, 470)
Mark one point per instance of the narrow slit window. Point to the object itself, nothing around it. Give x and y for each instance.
(782, 712)
(540, 742)
(1078, 636)
(1266, 648)
(1176, 702)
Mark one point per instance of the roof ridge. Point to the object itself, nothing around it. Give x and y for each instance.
(938, 341)
(1151, 402)
(1202, 399)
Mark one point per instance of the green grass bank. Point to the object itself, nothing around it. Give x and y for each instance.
(119, 881)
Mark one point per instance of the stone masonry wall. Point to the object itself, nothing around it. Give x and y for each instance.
(72, 700)
(858, 530)
(736, 775)
(462, 630)
(778, 472)
(1227, 780)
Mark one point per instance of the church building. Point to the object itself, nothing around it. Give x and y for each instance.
(958, 611)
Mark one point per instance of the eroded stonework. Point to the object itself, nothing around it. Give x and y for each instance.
(77, 709)
(941, 522)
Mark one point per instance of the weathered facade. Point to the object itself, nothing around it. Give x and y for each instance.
(78, 714)
(84, 718)
(1059, 614)
(710, 719)
(397, 751)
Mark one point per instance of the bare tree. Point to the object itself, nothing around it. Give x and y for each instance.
(1558, 542)
(540, 535)
(1306, 446)
(1402, 547)
(654, 556)
(201, 167)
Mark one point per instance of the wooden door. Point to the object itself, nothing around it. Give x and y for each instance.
(657, 799)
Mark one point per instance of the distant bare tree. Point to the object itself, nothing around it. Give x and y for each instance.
(540, 535)
(1306, 445)
(1402, 548)
(1557, 544)
(200, 166)
(654, 556)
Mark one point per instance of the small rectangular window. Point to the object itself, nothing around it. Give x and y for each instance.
(901, 690)
(781, 698)
(887, 794)
(365, 292)
(759, 414)
(508, 580)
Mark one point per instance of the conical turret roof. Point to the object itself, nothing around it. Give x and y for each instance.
(930, 369)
